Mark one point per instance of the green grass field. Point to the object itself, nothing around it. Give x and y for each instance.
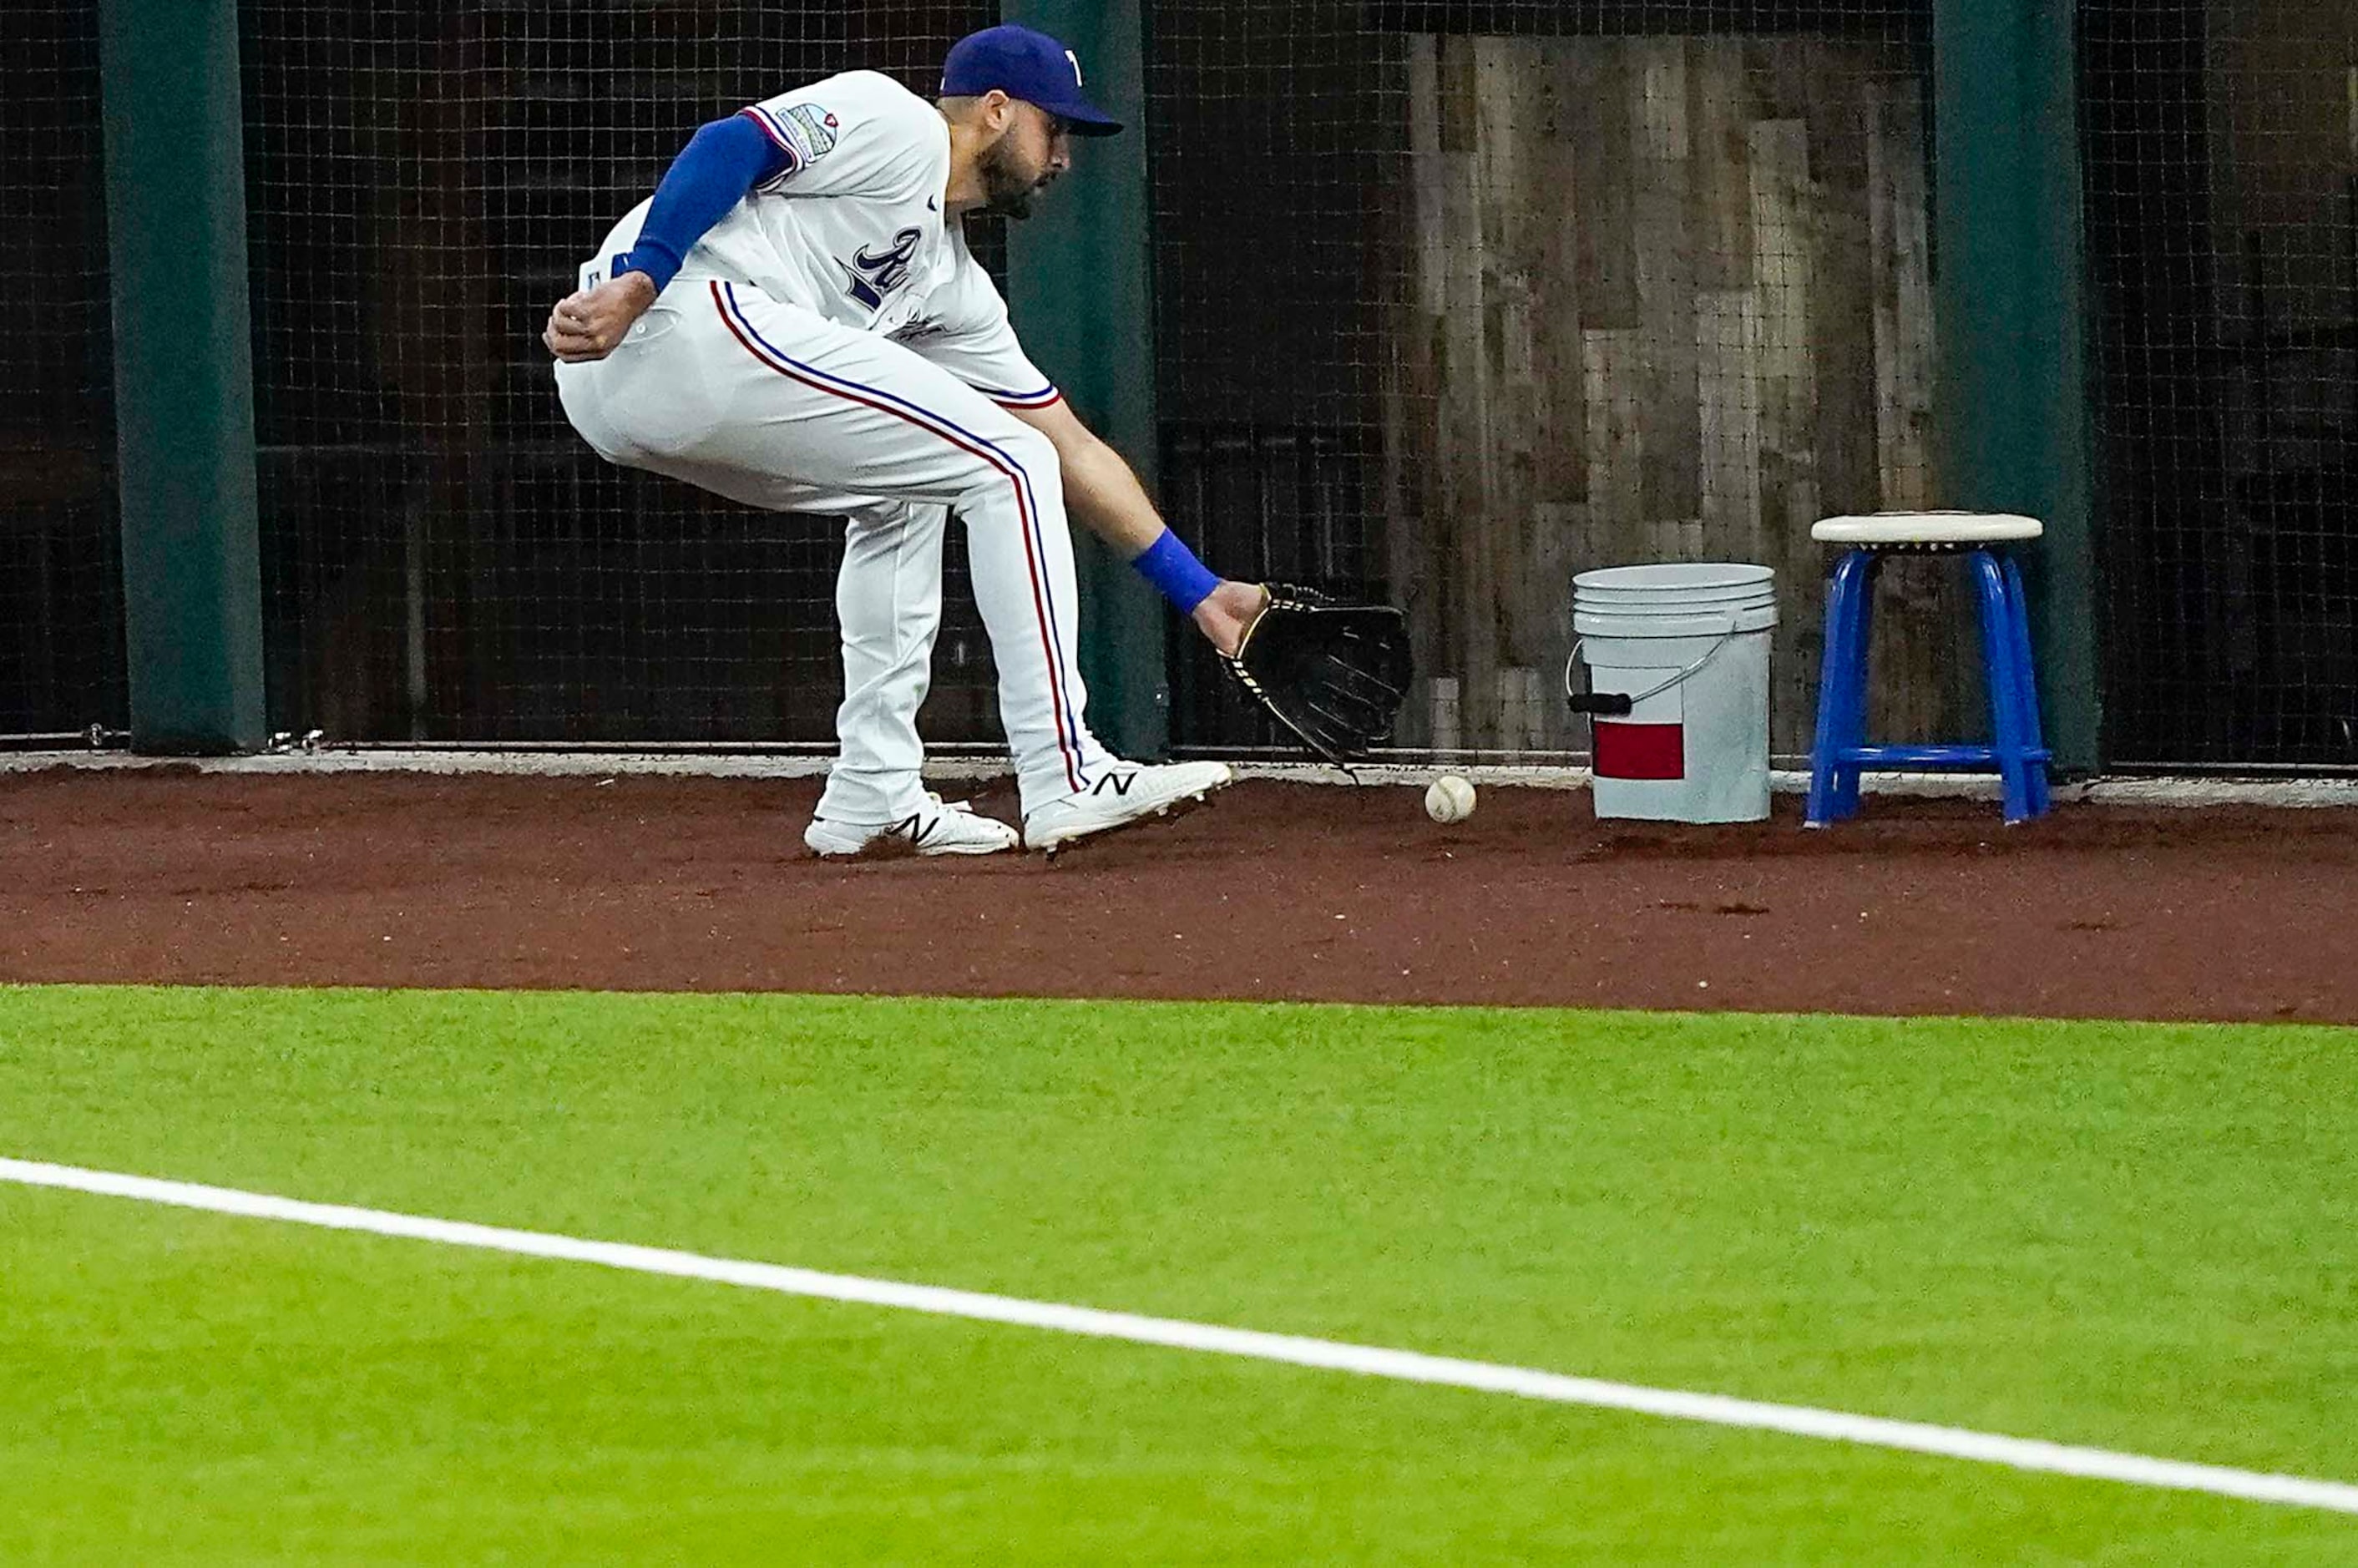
(2132, 1236)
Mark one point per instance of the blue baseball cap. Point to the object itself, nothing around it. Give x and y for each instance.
(1028, 65)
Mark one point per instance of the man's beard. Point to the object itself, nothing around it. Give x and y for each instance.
(1006, 190)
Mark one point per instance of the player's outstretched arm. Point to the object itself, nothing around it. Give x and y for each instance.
(1333, 674)
(1103, 493)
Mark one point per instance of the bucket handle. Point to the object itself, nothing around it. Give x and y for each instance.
(1616, 704)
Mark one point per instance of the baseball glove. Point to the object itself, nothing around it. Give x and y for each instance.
(1333, 673)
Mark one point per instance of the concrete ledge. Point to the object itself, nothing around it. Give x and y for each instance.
(560, 763)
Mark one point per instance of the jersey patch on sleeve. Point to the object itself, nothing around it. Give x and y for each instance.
(810, 132)
(804, 132)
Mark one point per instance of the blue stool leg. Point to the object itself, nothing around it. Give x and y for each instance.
(1864, 565)
(1828, 738)
(1835, 682)
(2004, 687)
(2026, 674)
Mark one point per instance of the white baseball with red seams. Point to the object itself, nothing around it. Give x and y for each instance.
(1448, 799)
(832, 346)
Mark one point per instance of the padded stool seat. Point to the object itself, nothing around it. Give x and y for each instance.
(1840, 749)
(1951, 530)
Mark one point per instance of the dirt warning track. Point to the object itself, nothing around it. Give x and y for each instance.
(1271, 892)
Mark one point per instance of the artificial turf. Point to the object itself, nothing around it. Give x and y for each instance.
(2136, 1236)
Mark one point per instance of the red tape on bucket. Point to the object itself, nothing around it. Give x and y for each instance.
(1640, 751)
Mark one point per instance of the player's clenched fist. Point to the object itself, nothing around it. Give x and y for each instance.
(588, 324)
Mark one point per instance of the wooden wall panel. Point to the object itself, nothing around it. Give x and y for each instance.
(1668, 298)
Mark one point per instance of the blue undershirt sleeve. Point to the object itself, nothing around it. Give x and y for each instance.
(720, 163)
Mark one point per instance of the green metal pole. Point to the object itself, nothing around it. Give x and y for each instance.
(183, 374)
(2012, 311)
(1078, 286)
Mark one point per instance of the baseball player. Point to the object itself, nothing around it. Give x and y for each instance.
(793, 320)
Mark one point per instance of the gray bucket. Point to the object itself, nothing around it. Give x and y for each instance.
(1678, 688)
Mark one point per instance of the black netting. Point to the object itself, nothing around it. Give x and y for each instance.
(443, 559)
(61, 652)
(2222, 201)
(1453, 300)
(1458, 299)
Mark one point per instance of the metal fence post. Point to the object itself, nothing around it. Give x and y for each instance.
(1078, 286)
(184, 377)
(2012, 306)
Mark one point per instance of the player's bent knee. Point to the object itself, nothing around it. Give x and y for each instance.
(1036, 456)
(1032, 449)
(1023, 463)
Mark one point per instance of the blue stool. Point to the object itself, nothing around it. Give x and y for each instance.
(1840, 749)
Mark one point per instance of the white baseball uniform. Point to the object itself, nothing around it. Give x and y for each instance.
(832, 346)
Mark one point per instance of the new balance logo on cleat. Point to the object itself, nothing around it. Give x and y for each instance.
(1123, 796)
(940, 829)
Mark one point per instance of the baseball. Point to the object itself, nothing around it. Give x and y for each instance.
(1449, 799)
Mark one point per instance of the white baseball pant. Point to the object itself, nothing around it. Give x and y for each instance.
(775, 407)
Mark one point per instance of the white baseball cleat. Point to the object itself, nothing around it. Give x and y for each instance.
(1125, 793)
(951, 827)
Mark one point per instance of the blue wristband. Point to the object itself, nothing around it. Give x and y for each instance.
(1173, 567)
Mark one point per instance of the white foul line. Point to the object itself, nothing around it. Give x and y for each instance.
(1405, 1366)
